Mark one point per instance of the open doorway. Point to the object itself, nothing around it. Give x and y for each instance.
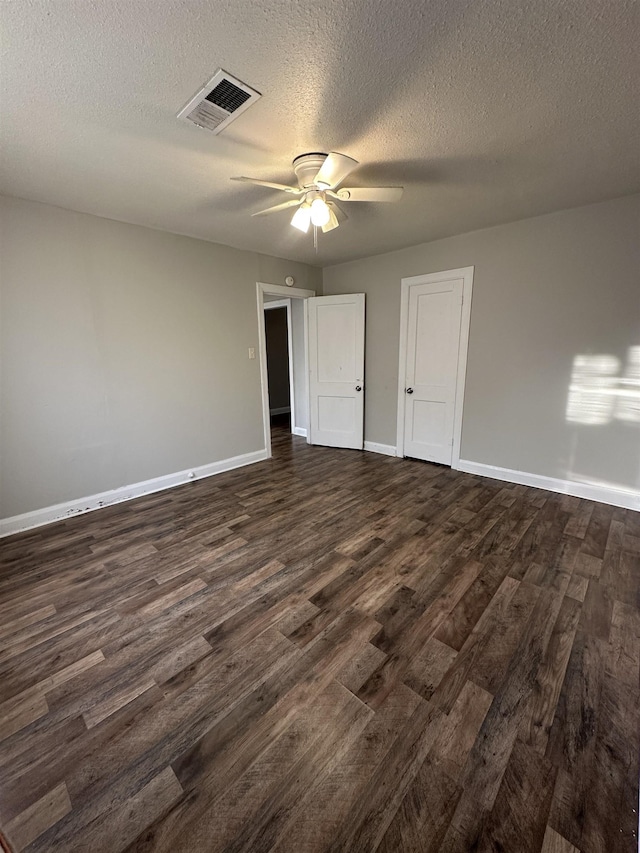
(283, 359)
(278, 336)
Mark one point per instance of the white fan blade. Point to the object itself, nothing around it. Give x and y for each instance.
(333, 221)
(273, 186)
(335, 169)
(369, 194)
(339, 211)
(293, 203)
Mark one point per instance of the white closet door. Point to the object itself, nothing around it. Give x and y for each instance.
(433, 341)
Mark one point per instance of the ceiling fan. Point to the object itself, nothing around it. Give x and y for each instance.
(317, 193)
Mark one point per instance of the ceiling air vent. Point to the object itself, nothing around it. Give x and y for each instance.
(219, 102)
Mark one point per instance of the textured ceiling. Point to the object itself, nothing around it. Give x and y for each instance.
(485, 111)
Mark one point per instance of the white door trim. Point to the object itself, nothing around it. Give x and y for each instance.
(287, 293)
(466, 274)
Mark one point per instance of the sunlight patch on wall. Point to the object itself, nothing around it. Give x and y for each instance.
(628, 405)
(599, 393)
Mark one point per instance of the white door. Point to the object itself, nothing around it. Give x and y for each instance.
(432, 346)
(336, 370)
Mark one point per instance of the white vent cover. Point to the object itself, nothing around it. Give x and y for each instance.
(219, 102)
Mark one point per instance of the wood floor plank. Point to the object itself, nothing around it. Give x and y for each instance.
(543, 700)
(597, 532)
(460, 622)
(381, 798)
(413, 633)
(460, 729)
(178, 725)
(330, 799)
(428, 667)
(357, 670)
(623, 656)
(555, 843)
(489, 669)
(116, 826)
(12, 626)
(291, 778)
(38, 817)
(17, 713)
(574, 724)
(115, 701)
(461, 669)
(325, 651)
(491, 751)
(519, 817)
(425, 812)
(577, 587)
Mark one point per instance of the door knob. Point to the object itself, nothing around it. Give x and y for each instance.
(409, 390)
(358, 388)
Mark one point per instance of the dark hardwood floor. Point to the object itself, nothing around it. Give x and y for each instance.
(329, 651)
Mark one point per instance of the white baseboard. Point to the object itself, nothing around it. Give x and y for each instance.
(385, 449)
(283, 410)
(627, 498)
(58, 512)
(301, 431)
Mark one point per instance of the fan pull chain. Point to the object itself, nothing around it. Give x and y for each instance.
(315, 238)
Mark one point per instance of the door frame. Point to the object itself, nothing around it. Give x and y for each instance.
(285, 293)
(466, 274)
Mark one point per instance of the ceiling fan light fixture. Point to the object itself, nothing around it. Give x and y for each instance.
(319, 178)
(332, 223)
(302, 218)
(320, 213)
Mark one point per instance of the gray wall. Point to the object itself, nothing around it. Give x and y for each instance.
(124, 353)
(124, 350)
(277, 347)
(546, 290)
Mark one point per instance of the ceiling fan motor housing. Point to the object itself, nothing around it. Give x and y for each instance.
(306, 167)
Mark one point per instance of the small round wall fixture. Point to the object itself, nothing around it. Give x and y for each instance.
(289, 281)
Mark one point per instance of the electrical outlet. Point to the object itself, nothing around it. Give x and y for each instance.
(252, 352)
